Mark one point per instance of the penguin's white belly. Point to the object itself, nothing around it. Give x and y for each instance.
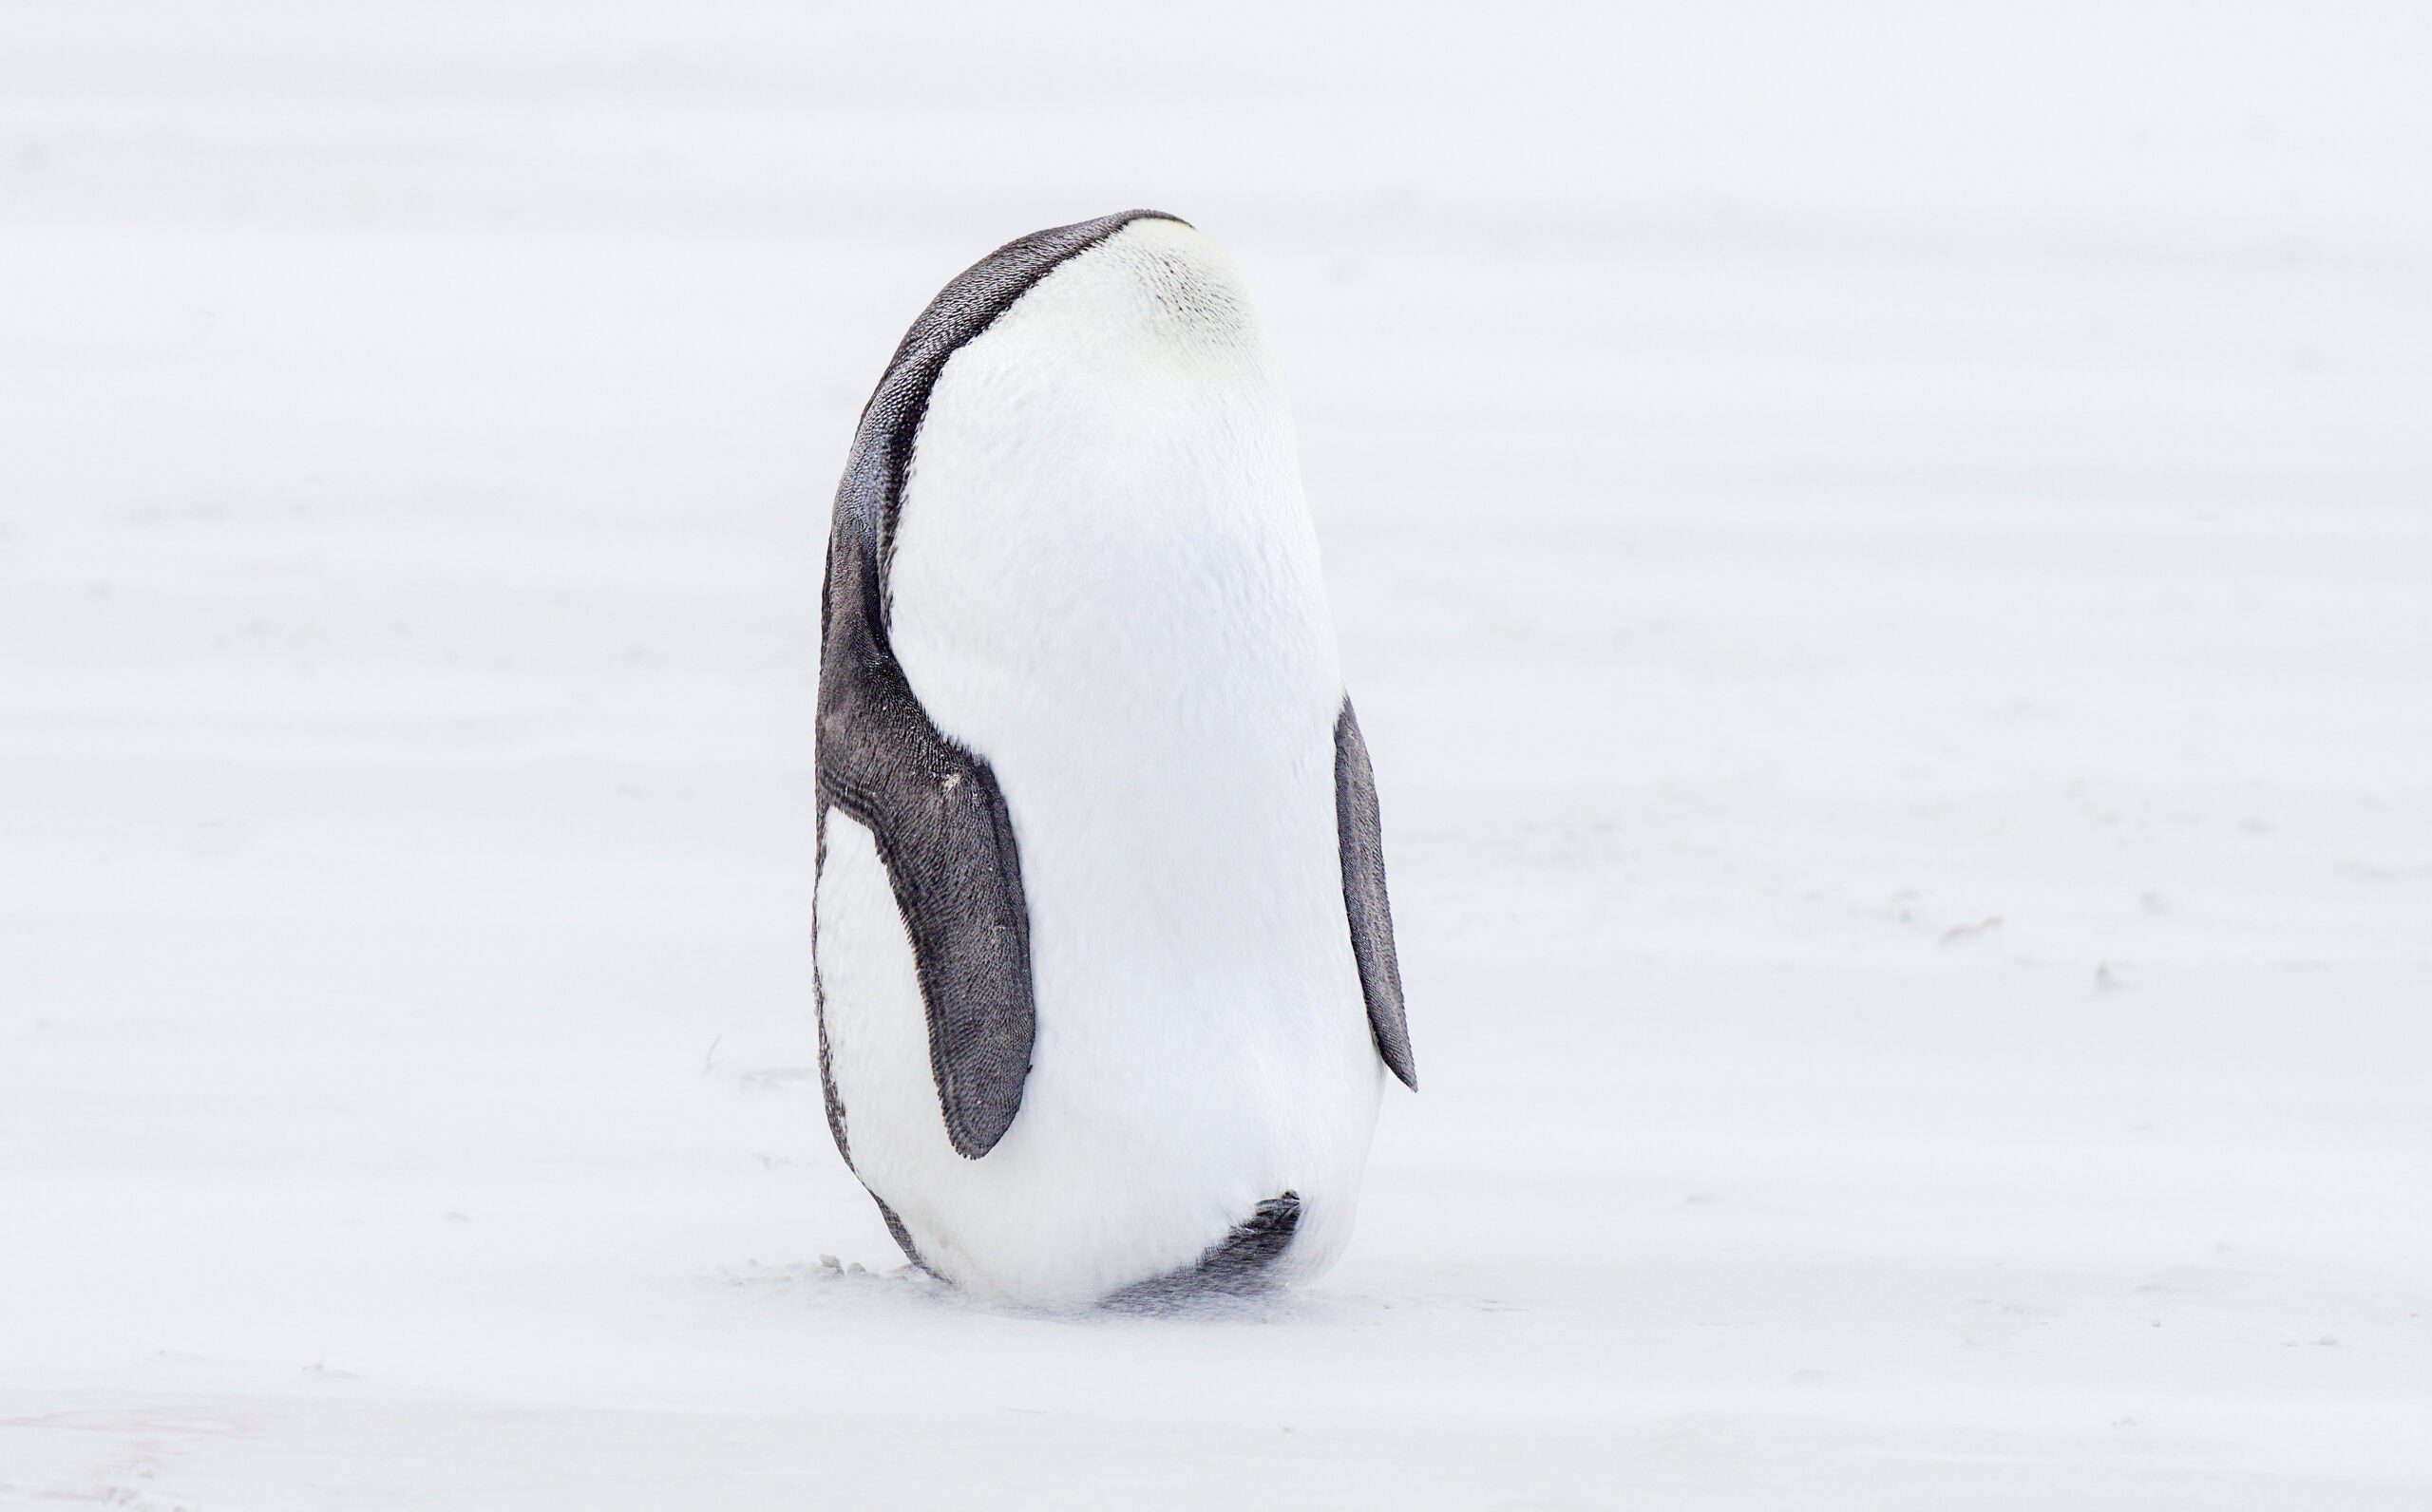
(1201, 1044)
(1162, 1108)
(1104, 585)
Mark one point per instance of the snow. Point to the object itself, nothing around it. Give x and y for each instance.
(1884, 555)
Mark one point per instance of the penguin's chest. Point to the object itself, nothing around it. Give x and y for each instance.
(1160, 721)
(1103, 583)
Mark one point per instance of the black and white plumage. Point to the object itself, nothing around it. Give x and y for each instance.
(1108, 989)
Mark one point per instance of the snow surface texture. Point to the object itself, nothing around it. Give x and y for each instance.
(1886, 562)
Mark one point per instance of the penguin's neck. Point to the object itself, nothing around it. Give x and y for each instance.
(1102, 545)
(1156, 612)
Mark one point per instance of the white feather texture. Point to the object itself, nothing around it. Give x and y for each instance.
(1106, 584)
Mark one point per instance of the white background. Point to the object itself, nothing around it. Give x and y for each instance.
(1886, 560)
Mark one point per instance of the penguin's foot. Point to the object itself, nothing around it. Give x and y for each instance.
(1236, 1265)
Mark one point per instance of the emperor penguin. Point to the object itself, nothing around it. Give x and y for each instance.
(1104, 963)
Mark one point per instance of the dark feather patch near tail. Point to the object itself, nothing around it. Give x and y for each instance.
(1236, 1265)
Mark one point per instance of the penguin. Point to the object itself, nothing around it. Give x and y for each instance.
(1103, 958)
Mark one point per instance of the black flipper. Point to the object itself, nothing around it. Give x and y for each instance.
(942, 829)
(1357, 827)
(933, 807)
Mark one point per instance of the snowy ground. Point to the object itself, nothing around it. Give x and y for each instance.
(1886, 567)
